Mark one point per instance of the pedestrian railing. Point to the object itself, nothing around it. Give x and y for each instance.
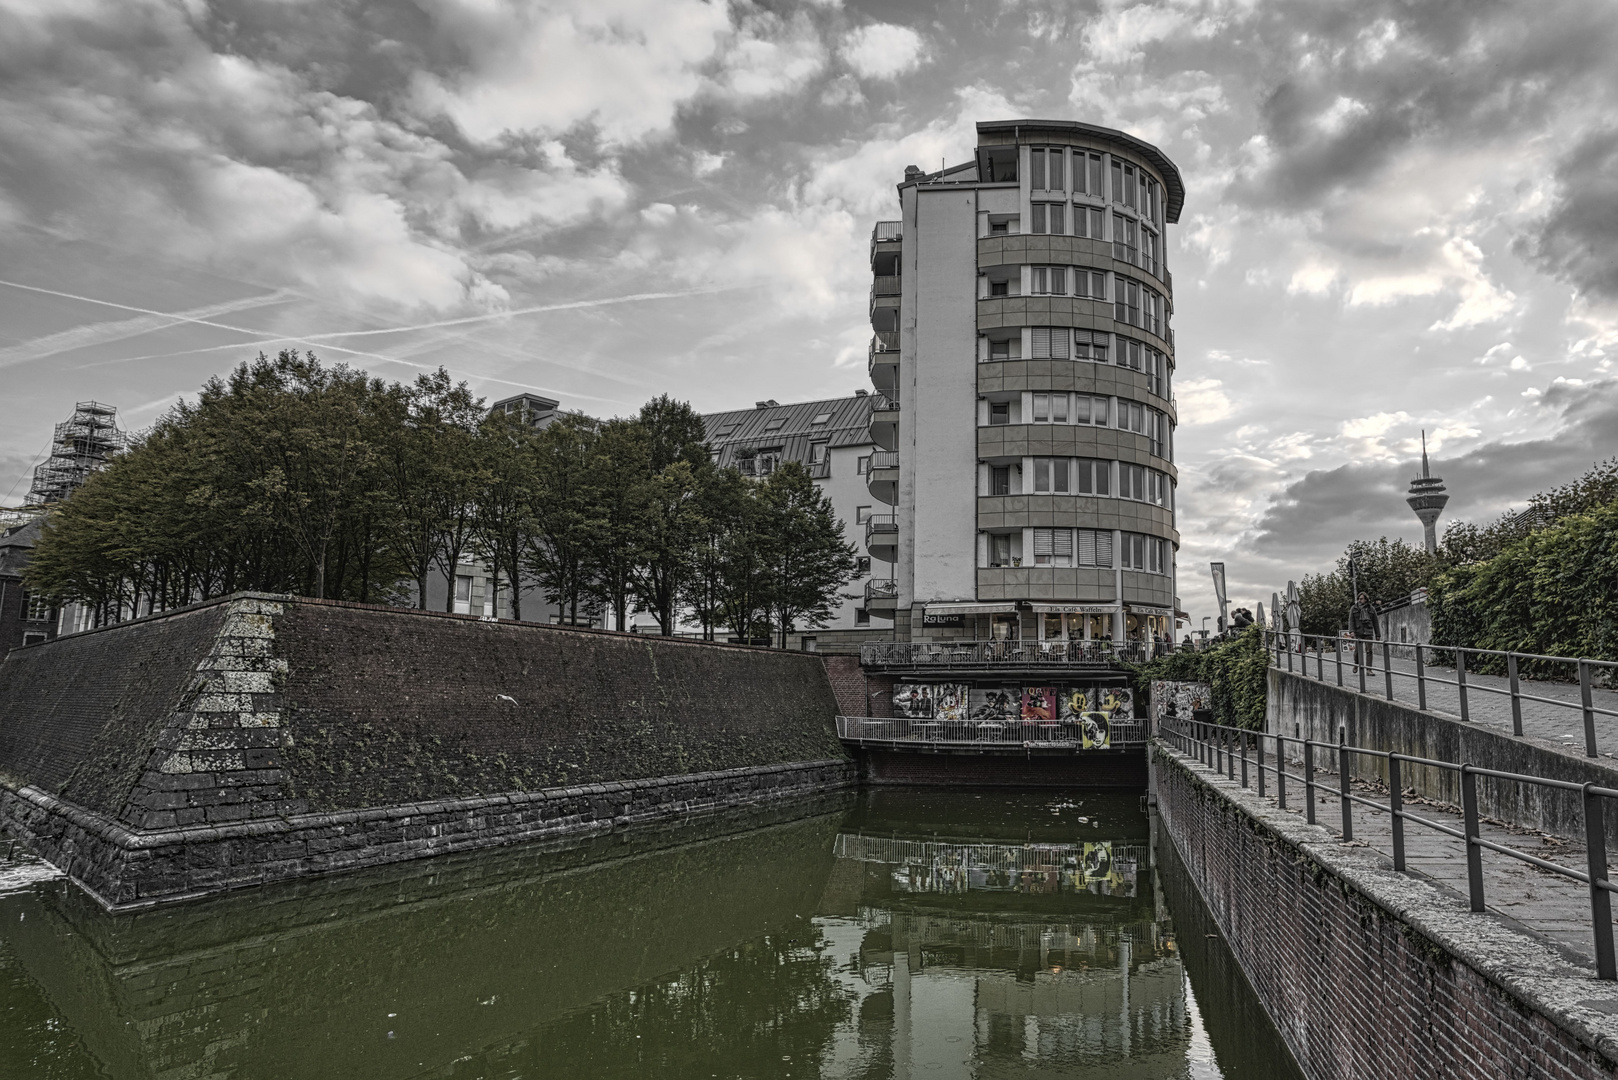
(1115, 733)
(1360, 656)
(1230, 751)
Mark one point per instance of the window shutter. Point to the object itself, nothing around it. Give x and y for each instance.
(1087, 547)
(1042, 542)
(1059, 341)
(1062, 543)
(1103, 548)
(1036, 169)
(1042, 343)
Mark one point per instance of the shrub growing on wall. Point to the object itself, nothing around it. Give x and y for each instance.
(1235, 670)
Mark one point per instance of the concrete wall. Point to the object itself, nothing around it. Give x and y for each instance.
(1314, 710)
(259, 738)
(1371, 973)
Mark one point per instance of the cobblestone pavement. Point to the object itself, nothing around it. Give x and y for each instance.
(1538, 901)
(1488, 699)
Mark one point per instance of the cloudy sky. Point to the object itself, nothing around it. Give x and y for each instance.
(1399, 215)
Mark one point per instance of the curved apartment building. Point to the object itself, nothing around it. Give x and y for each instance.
(1024, 358)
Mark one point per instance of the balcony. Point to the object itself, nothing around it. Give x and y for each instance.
(885, 303)
(886, 246)
(882, 598)
(1028, 656)
(882, 537)
(885, 422)
(883, 366)
(1093, 731)
(882, 481)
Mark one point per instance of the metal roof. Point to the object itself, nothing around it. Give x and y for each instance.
(847, 423)
(1020, 131)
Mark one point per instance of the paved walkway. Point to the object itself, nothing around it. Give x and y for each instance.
(1537, 901)
(1488, 699)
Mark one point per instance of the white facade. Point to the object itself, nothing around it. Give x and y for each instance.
(1022, 329)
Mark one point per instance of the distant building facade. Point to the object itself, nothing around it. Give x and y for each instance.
(1020, 310)
(25, 619)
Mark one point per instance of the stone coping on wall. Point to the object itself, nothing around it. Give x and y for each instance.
(1528, 973)
(130, 869)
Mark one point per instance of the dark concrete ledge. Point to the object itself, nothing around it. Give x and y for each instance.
(1370, 972)
(1319, 711)
(125, 869)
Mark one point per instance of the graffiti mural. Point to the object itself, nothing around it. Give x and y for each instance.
(1179, 699)
(951, 701)
(1038, 703)
(1001, 706)
(913, 701)
(1075, 701)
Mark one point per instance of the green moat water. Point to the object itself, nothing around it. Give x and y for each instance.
(897, 933)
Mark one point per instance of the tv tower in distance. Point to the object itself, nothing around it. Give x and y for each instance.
(1427, 498)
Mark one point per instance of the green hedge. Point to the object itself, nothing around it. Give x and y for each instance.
(1553, 592)
(1234, 669)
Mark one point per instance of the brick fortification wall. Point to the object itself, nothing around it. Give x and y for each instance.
(260, 738)
(1371, 973)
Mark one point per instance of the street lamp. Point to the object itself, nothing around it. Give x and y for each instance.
(1205, 619)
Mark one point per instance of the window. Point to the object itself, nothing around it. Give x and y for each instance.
(1051, 476)
(818, 452)
(1148, 250)
(999, 288)
(1089, 410)
(1143, 484)
(35, 638)
(1124, 238)
(763, 463)
(1048, 217)
(862, 617)
(1126, 302)
(1090, 345)
(1123, 183)
(1087, 178)
(862, 515)
(463, 594)
(1132, 416)
(999, 413)
(1090, 477)
(1048, 280)
(1089, 222)
(1142, 552)
(862, 565)
(39, 607)
(1050, 408)
(1091, 283)
(996, 228)
(775, 423)
(808, 644)
(1151, 200)
(1005, 350)
(863, 465)
(1053, 547)
(1000, 480)
(999, 549)
(1050, 342)
(1094, 547)
(820, 418)
(1038, 163)
(1154, 312)
(725, 432)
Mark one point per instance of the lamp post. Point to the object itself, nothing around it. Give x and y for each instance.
(1205, 619)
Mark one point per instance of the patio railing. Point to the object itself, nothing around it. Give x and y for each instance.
(1121, 732)
(999, 654)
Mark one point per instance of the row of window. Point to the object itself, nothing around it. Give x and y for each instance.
(1062, 343)
(1083, 476)
(1133, 303)
(1132, 242)
(1081, 547)
(1090, 409)
(1050, 169)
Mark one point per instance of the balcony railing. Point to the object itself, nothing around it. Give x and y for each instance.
(884, 459)
(1091, 731)
(885, 285)
(946, 655)
(885, 341)
(881, 590)
(885, 524)
(887, 230)
(883, 403)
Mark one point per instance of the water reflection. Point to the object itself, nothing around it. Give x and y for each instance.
(903, 934)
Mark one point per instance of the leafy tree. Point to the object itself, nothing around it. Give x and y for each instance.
(669, 509)
(624, 461)
(568, 521)
(802, 550)
(1386, 570)
(504, 524)
(1235, 670)
(717, 575)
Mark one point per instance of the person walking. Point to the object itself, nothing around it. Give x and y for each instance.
(1363, 625)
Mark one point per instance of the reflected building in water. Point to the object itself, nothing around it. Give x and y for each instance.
(855, 942)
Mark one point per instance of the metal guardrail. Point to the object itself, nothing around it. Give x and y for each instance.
(883, 341)
(884, 459)
(1221, 747)
(1123, 733)
(1295, 650)
(992, 654)
(880, 524)
(887, 230)
(878, 589)
(884, 403)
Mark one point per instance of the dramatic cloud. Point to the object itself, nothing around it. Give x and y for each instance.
(1399, 217)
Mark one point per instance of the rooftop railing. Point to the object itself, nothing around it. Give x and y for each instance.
(887, 230)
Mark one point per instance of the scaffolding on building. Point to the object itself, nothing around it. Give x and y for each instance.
(80, 447)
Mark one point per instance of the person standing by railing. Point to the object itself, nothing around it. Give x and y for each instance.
(1362, 623)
